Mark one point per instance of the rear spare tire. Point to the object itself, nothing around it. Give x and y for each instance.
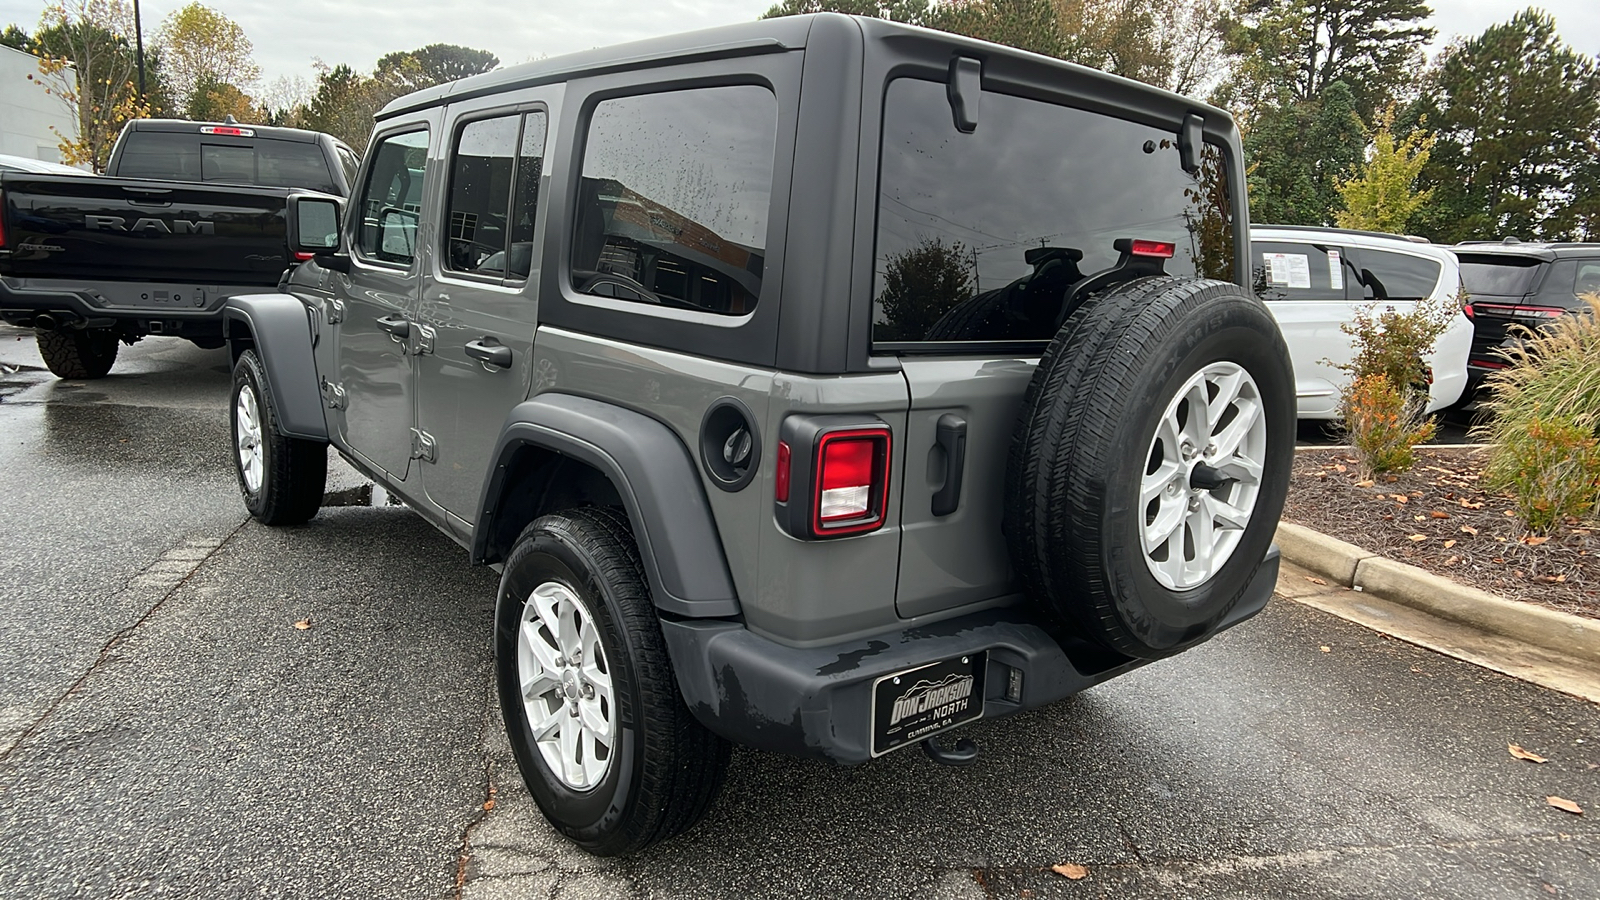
(1151, 462)
(78, 352)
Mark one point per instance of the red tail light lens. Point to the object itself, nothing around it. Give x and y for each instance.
(1162, 249)
(852, 481)
(1468, 311)
(227, 130)
(300, 256)
(781, 488)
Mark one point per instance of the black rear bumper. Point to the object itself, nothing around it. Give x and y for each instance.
(193, 311)
(817, 702)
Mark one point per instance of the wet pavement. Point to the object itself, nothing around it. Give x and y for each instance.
(165, 728)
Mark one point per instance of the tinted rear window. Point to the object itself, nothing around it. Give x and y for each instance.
(1505, 276)
(981, 236)
(171, 156)
(1396, 276)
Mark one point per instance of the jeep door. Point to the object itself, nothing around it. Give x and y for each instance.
(477, 315)
(379, 295)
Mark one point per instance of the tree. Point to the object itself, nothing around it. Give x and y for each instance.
(914, 12)
(16, 39)
(87, 61)
(1293, 50)
(1384, 196)
(1517, 113)
(199, 45)
(214, 100)
(922, 284)
(1296, 153)
(435, 64)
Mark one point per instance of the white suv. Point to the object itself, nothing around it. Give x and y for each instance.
(1315, 279)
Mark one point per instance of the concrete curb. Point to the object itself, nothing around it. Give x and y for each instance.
(1350, 566)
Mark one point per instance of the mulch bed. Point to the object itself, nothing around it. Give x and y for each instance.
(1437, 517)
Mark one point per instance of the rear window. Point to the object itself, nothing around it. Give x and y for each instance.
(1504, 276)
(980, 236)
(1396, 276)
(172, 156)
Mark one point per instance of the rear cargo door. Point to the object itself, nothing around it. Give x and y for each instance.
(62, 226)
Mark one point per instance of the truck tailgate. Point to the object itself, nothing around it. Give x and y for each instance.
(65, 227)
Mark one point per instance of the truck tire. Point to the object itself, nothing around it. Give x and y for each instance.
(281, 478)
(77, 352)
(1151, 462)
(603, 739)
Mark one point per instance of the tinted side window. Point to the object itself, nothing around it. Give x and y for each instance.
(391, 201)
(350, 163)
(672, 207)
(530, 168)
(1560, 285)
(481, 171)
(1291, 271)
(981, 236)
(1588, 277)
(1396, 276)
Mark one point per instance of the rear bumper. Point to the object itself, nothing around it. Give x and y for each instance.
(817, 702)
(189, 310)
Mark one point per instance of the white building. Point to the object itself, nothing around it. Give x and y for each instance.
(27, 111)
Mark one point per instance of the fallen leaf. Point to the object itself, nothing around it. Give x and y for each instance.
(1338, 468)
(1549, 888)
(1452, 560)
(1580, 531)
(1419, 537)
(1365, 483)
(1401, 498)
(1391, 479)
(1534, 541)
(1417, 495)
(1325, 648)
(1565, 804)
(1528, 755)
(303, 624)
(1468, 504)
(1315, 580)
(1450, 543)
(1468, 529)
(1509, 513)
(1074, 872)
(1419, 518)
(1439, 514)
(488, 805)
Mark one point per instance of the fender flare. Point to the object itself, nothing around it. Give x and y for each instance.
(280, 327)
(656, 478)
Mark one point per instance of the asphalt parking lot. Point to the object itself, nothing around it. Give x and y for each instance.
(166, 729)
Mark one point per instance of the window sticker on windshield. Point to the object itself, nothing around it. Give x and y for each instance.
(1335, 271)
(1289, 269)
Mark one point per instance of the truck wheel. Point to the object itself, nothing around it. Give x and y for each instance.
(1151, 462)
(282, 478)
(78, 352)
(605, 744)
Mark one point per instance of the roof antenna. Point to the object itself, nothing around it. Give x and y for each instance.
(229, 120)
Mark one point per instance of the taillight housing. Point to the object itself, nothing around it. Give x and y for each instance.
(2, 218)
(833, 475)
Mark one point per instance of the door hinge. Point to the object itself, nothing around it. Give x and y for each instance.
(425, 336)
(332, 394)
(423, 446)
(335, 311)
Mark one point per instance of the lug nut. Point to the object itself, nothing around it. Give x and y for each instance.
(588, 692)
(561, 662)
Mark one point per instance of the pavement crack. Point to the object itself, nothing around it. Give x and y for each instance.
(169, 572)
(1127, 839)
(464, 855)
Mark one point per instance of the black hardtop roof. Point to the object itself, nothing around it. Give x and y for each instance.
(746, 39)
(184, 126)
(1544, 250)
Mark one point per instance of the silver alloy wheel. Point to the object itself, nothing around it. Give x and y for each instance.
(566, 686)
(247, 434)
(1202, 475)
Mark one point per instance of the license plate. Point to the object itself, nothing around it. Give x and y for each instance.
(909, 706)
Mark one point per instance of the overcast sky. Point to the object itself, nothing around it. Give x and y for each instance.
(289, 34)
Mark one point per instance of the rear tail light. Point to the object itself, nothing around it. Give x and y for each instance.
(1161, 249)
(1541, 312)
(1467, 309)
(833, 475)
(227, 130)
(302, 256)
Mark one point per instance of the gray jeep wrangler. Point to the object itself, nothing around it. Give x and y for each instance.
(818, 384)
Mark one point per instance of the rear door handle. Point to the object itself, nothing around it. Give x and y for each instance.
(490, 352)
(399, 326)
(951, 434)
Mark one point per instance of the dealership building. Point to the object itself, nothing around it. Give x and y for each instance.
(28, 112)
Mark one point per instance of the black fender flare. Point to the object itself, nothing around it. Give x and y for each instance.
(280, 327)
(654, 474)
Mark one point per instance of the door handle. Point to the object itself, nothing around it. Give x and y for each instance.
(490, 352)
(399, 326)
(951, 434)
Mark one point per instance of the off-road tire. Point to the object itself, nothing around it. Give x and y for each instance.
(294, 470)
(667, 768)
(1073, 518)
(78, 352)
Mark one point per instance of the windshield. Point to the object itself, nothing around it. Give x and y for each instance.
(1504, 276)
(174, 156)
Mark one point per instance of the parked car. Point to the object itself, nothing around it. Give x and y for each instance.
(740, 484)
(1510, 283)
(1316, 279)
(9, 163)
(187, 213)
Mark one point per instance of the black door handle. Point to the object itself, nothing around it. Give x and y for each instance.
(490, 352)
(951, 434)
(399, 326)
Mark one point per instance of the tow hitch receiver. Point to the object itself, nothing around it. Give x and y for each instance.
(964, 753)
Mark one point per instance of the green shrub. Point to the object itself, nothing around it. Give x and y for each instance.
(1384, 424)
(1553, 471)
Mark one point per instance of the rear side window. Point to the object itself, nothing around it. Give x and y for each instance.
(1291, 271)
(1588, 277)
(391, 202)
(980, 236)
(673, 204)
(1499, 276)
(1560, 285)
(495, 160)
(173, 156)
(1396, 276)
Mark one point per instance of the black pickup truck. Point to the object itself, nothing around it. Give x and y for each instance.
(188, 214)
